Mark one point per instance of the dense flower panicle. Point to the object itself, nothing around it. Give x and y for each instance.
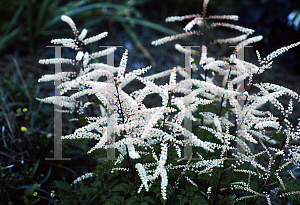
(100, 144)
(79, 55)
(103, 52)
(253, 123)
(163, 155)
(100, 66)
(245, 171)
(174, 37)
(62, 76)
(164, 182)
(181, 18)
(86, 59)
(279, 51)
(142, 174)
(231, 40)
(85, 176)
(203, 55)
(71, 43)
(132, 153)
(62, 101)
(95, 38)
(122, 66)
(227, 17)
(82, 34)
(247, 42)
(245, 188)
(262, 136)
(216, 65)
(189, 26)
(71, 23)
(184, 50)
(273, 124)
(205, 3)
(57, 60)
(232, 26)
(217, 124)
(136, 131)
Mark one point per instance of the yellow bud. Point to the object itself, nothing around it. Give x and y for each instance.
(23, 129)
(25, 109)
(35, 193)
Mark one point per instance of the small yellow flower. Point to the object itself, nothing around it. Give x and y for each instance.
(35, 193)
(23, 129)
(25, 109)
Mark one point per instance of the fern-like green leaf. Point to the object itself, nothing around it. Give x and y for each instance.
(120, 187)
(115, 200)
(63, 185)
(131, 200)
(148, 199)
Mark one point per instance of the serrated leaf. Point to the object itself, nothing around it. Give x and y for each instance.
(149, 199)
(109, 203)
(182, 199)
(96, 183)
(87, 190)
(130, 201)
(63, 185)
(120, 187)
(197, 199)
(115, 200)
(278, 136)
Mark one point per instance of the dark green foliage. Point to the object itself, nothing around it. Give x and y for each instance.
(27, 22)
(62, 185)
(24, 141)
(229, 199)
(117, 188)
(278, 136)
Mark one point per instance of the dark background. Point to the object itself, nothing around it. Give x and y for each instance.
(27, 27)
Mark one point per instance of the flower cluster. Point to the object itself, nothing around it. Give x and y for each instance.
(137, 131)
(85, 176)
(133, 123)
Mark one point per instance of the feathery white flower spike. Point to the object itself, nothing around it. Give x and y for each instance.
(95, 38)
(142, 173)
(227, 17)
(164, 182)
(82, 35)
(181, 18)
(79, 55)
(174, 37)
(71, 23)
(247, 42)
(232, 26)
